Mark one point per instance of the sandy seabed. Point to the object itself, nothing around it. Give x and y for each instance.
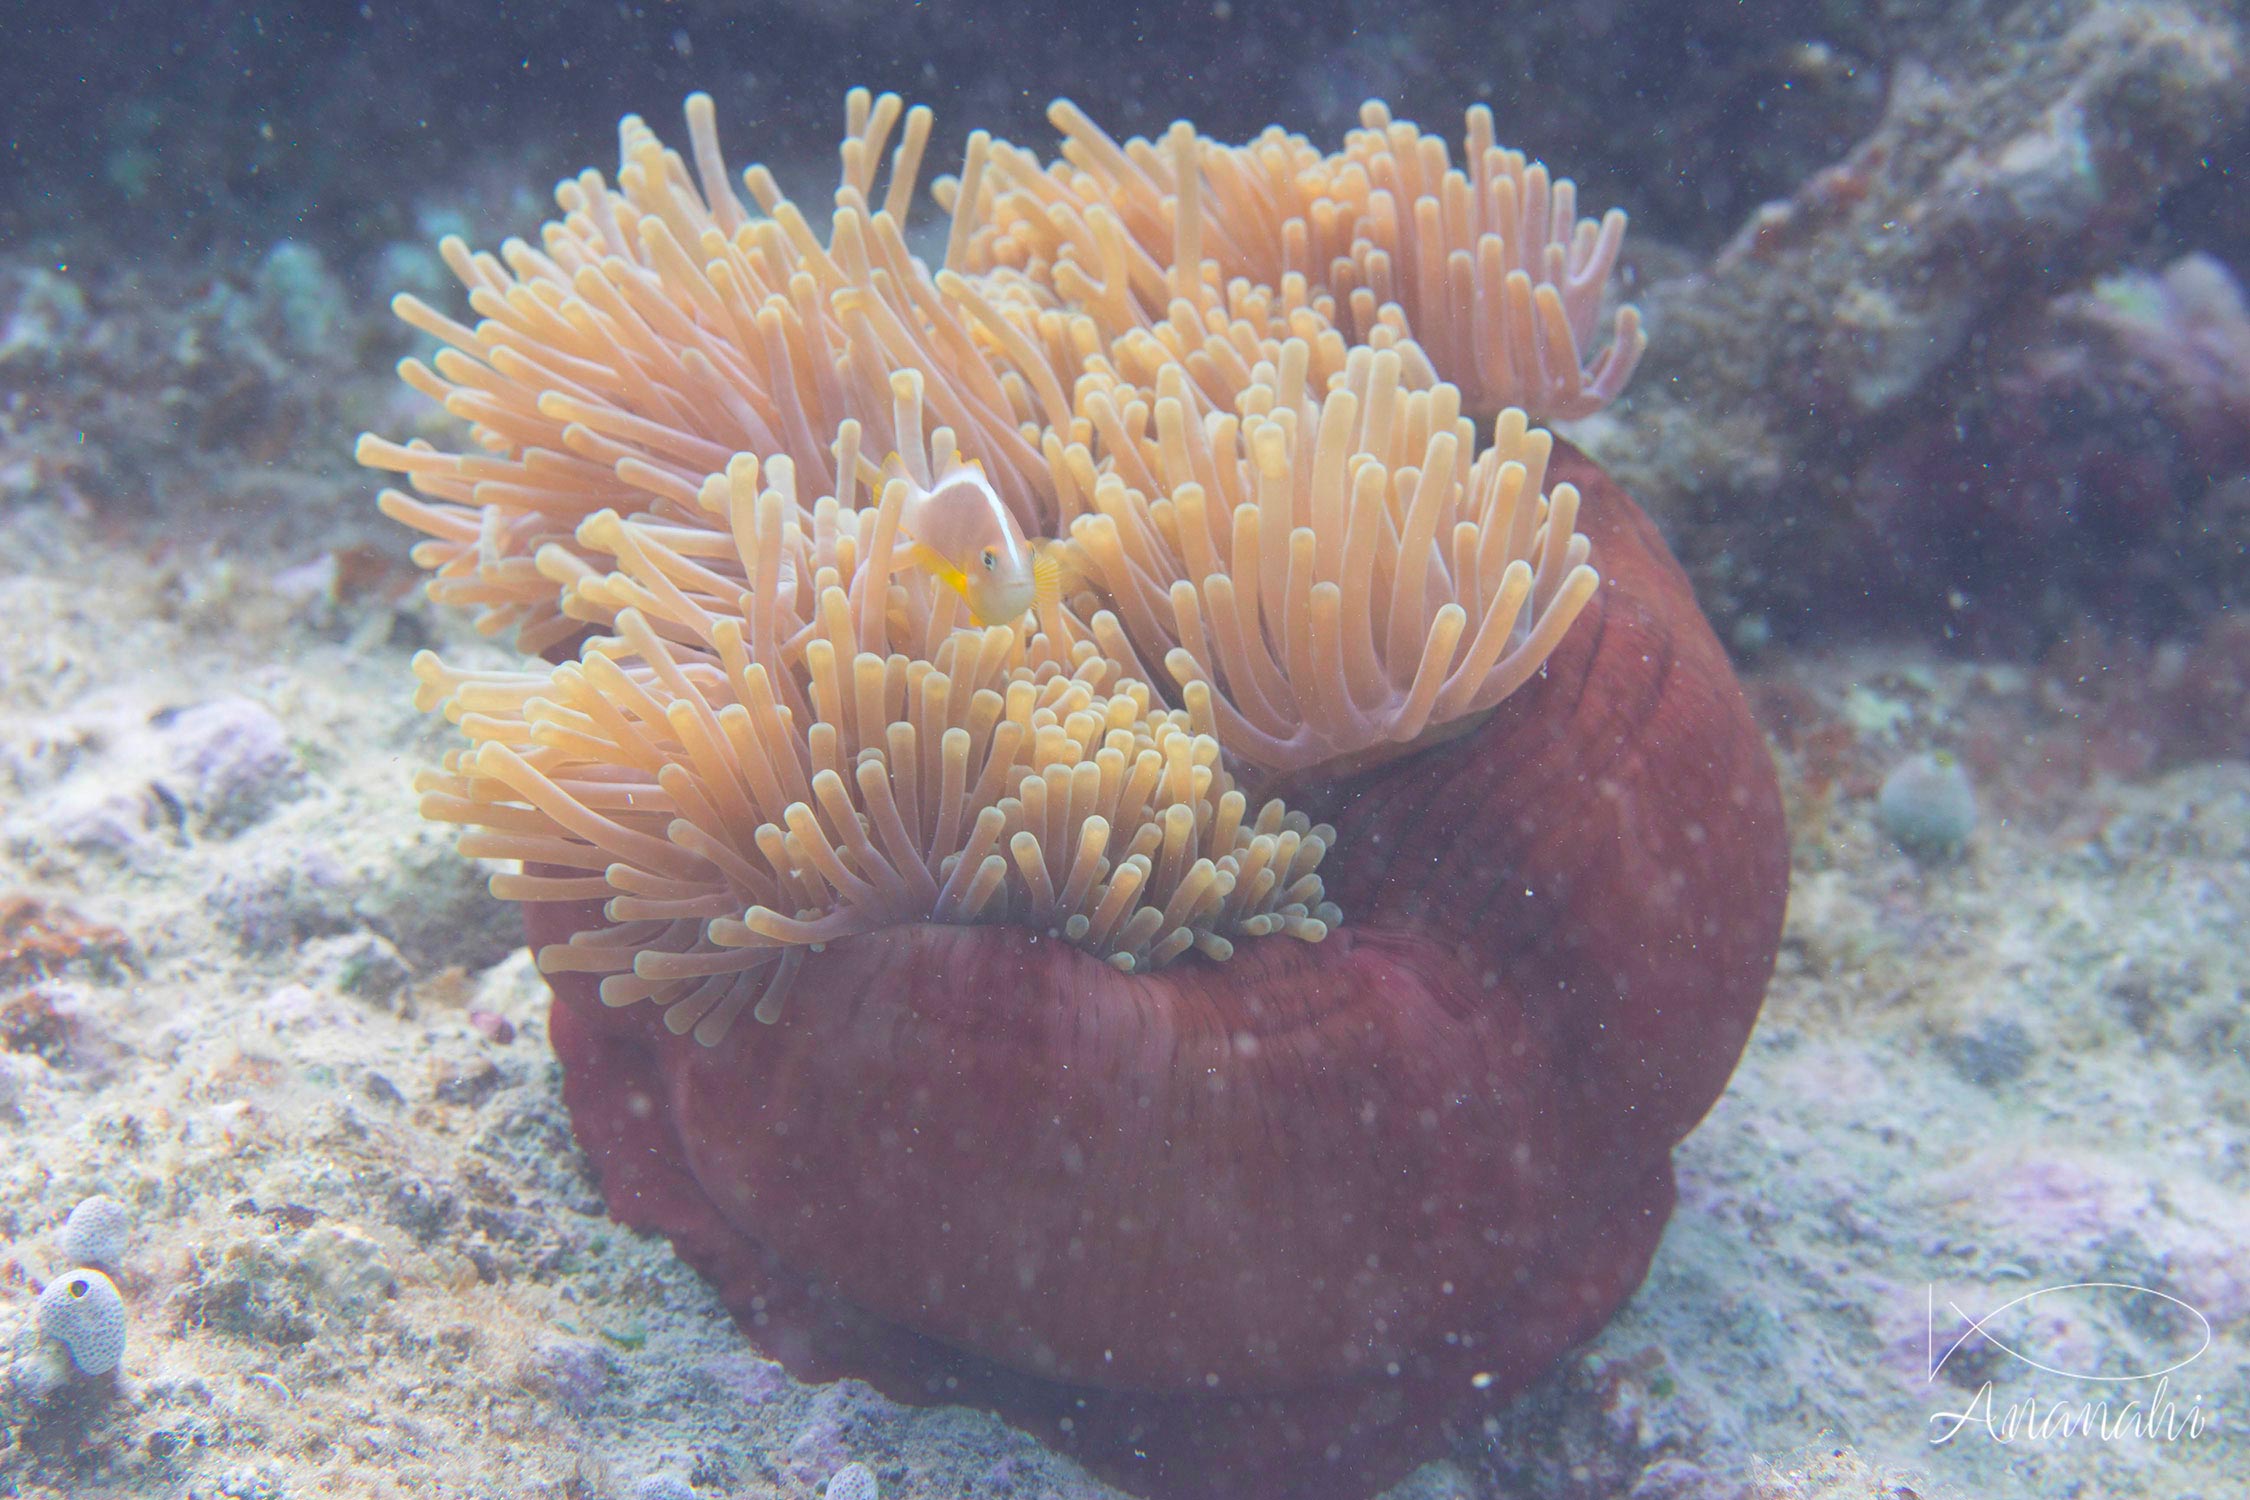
(245, 992)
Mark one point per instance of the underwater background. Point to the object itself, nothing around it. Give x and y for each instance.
(1945, 413)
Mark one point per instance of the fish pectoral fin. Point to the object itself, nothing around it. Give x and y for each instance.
(1046, 578)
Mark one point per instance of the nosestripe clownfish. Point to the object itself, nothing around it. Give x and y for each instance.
(961, 534)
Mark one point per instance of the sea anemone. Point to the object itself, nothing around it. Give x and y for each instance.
(1486, 264)
(742, 783)
(1090, 1076)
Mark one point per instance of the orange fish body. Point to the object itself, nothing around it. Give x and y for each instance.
(961, 534)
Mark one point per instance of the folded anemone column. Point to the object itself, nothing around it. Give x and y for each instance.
(1233, 1020)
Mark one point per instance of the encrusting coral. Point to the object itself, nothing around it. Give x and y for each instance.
(1233, 1019)
(789, 738)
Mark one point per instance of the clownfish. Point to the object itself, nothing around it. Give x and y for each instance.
(961, 534)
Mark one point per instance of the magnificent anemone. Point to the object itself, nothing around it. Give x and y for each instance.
(1233, 1019)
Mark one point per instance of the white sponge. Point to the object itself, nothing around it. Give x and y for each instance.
(81, 1311)
(96, 1232)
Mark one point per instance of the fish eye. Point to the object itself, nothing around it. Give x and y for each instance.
(991, 559)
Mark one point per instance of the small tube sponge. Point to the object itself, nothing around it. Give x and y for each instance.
(81, 1311)
(97, 1232)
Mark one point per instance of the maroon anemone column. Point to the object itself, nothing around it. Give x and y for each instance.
(1272, 1227)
